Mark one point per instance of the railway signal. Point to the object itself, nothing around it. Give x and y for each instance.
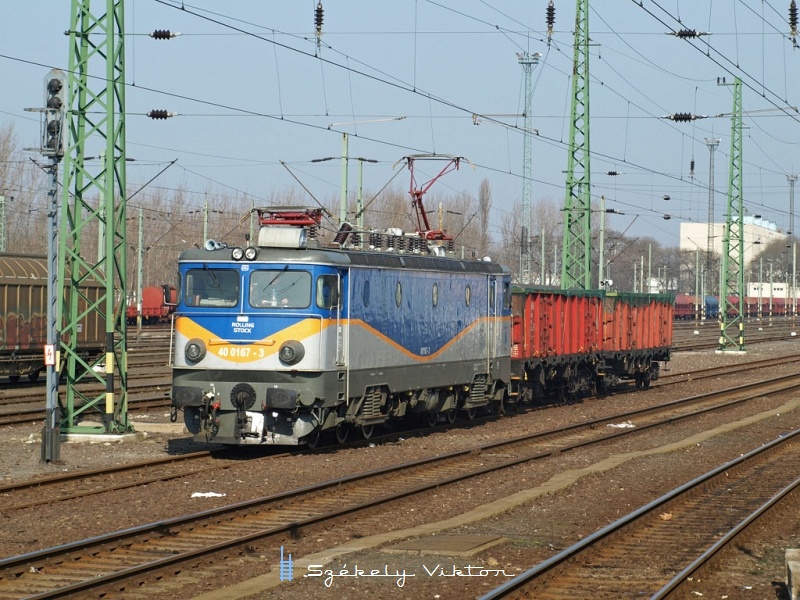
(54, 109)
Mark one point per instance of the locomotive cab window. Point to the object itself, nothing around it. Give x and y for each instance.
(327, 291)
(211, 287)
(280, 288)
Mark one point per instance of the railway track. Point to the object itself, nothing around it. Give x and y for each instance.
(653, 551)
(136, 554)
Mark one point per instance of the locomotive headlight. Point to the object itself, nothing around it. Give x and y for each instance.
(291, 352)
(237, 254)
(195, 350)
(250, 253)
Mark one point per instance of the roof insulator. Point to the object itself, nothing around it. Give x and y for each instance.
(550, 18)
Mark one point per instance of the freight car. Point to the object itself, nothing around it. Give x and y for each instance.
(282, 342)
(158, 304)
(565, 343)
(23, 318)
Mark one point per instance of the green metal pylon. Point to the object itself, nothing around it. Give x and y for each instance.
(576, 270)
(731, 319)
(94, 202)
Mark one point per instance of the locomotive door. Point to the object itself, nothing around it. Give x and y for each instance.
(491, 329)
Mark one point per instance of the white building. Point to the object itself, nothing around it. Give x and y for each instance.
(758, 233)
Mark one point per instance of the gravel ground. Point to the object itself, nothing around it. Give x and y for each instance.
(578, 495)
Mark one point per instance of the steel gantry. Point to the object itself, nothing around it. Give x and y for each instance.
(577, 248)
(94, 208)
(731, 314)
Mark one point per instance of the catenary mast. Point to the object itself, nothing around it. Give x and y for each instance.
(94, 207)
(577, 248)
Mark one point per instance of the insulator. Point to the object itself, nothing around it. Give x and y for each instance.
(162, 34)
(551, 17)
(687, 33)
(793, 17)
(318, 14)
(682, 117)
(691, 167)
(613, 173)
(158, 114)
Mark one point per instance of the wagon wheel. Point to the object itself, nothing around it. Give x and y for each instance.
(638, 379)
(342, 431)
(33, 376)
(646, 380)
(366, 431)
(451, 415)
(562, 394)
(13, 378)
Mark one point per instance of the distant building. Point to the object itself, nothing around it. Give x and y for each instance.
(758, 233)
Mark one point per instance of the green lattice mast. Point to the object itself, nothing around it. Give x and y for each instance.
(731, 335)
(94, 207)
(576, 268)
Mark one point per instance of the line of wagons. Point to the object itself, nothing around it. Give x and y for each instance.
(689, 307)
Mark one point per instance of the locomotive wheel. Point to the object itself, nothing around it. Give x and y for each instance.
(431, 419)
(313, 438)
(342, 431)
(366, 431)
(451, 415)
(471, 412)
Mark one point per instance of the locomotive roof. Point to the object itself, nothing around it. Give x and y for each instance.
(345, 257)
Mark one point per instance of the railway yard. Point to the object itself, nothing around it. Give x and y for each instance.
(451, 511)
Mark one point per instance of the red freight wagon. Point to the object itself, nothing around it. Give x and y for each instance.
(158, 303)
(565, 342)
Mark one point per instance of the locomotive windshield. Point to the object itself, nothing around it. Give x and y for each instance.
(211, 287)
(280, 289)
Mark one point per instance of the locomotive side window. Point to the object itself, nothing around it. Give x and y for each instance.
(365, 293)
(327, 291)
(398, 294)
(280, 289)
(435, 294)
(467, 295)
(211, 287)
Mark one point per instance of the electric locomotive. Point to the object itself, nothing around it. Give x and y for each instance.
(283, 341)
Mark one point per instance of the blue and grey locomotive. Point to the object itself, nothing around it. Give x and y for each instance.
(283, 341)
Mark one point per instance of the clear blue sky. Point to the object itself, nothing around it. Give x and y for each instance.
(252, 89)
